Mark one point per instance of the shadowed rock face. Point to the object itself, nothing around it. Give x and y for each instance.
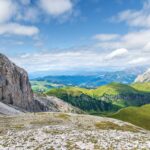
(15, 88)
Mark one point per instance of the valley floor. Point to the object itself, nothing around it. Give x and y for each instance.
(59, 131)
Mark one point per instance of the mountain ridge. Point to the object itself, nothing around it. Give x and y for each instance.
(145, 77)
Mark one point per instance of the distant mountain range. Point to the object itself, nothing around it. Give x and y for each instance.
(90, 81)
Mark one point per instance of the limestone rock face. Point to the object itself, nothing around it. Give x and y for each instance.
(15, 88)
(145, 77)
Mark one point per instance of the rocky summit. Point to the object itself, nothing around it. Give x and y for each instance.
(15, 90)
(145, 77)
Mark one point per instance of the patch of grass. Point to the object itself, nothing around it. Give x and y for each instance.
(2, 131)
(139, 116)
(112, 126)
(18, 126)
(39, 147)
(70, 145)
(63, 116)
(41, 122)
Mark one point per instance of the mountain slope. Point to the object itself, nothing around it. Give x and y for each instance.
(70, 132)
(54, 104)
(9, 110)
(81, 98)
(145, 87)
(105, 98)
(139, 116)
(145, 77)
(88, 81)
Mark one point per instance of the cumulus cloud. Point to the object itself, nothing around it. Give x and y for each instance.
(136, 48)
(139, 60)
(147, 47)
(13, 14)
(136, 18)
(106, 37)
(7, 10)
(17, 29)
(56, 7)
(138, 40)
(117, 53)
(59, 61)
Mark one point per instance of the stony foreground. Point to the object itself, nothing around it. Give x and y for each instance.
(58, 131)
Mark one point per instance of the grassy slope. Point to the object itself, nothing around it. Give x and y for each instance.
(82, 98)
(106, 93)
(139, 116)
(145, 87)
(110, 89)
(113, 89)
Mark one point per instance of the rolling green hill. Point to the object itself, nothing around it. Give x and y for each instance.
(81, 98)
(139, 116)
(142, 86)
(110, 97)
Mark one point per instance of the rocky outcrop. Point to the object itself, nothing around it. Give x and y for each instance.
(9, 110)
(145, 77)
(15, 88)
(54, 104)
(16, 92)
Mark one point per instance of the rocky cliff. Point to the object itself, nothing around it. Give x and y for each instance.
(15, 88)
(145, 77)
(16, 95)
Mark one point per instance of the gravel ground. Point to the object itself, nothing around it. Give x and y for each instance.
(57, 131)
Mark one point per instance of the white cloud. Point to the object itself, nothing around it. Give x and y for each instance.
(136, 18)
(56, 7)
(117, 53)
(147, 47)
(17, 29)
(132, 41)
(59, 61)
(106, 37)
(7, 10)
(138, 61)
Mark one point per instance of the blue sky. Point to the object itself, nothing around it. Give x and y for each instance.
(75, 35)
